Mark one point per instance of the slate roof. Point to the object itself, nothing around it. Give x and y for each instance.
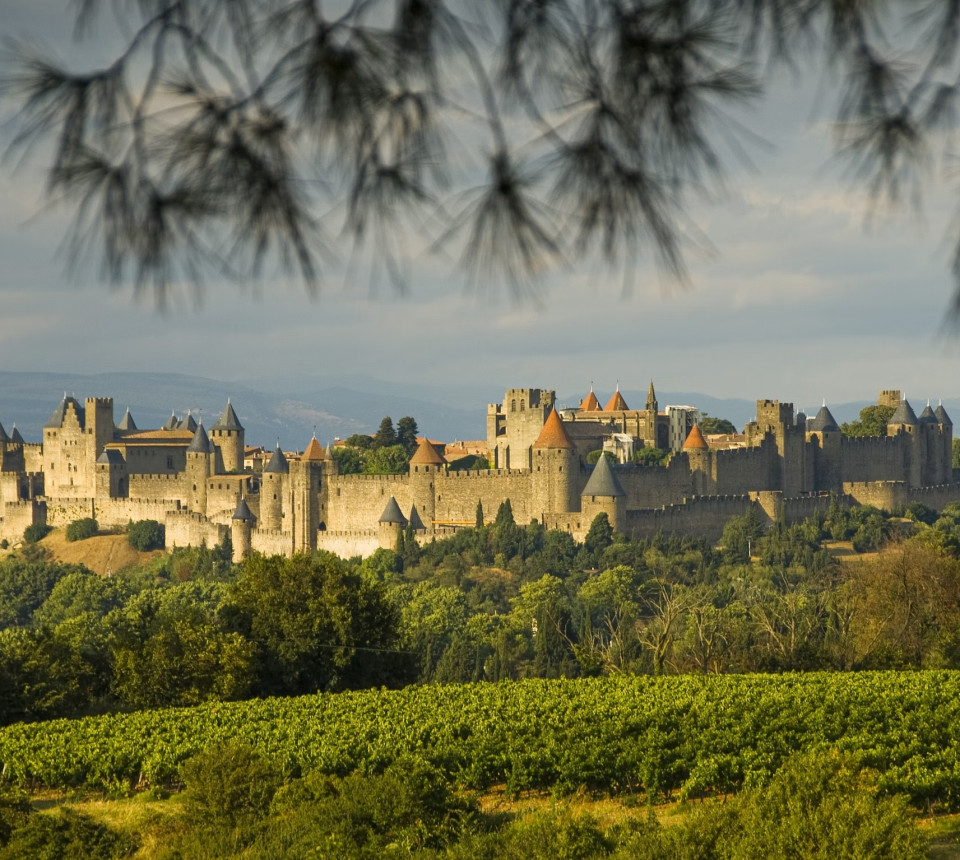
(942, 416)
(188, 423)
(904, 414)
(172, 423)
(695, 440)
(553, 434)
(392, 514)
(415, 520)
(824, 422)
(112, 457)
(127, 422)
(3, 435)
(426, 455)
(603, 482)
(17, 439)
(928, 416)
(278, 463)
(200, 443)
(243, 512)
(56, 420)
(228, 420)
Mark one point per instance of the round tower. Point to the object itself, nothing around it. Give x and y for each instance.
(241, 531)
(199, 468)
(555, 469)
(425, 466)
(391, 523)
(700, 460)
(227, 435)
(604, 494)
(273, 484)
(904, 423)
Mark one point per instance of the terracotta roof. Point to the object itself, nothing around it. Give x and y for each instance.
(314, 450)
(553, 434)
(695, 441)
(426, 455)
(590, 403)
(616, 403)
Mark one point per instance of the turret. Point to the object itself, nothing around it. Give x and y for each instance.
(603, 494)
(305, 478)
(700, 460)
(425, 465)
(228, 435)
(111, 478)
(272, 488)
(241, 530)
(556, 468)
(392, 522)
(199, 468)
(904, 422)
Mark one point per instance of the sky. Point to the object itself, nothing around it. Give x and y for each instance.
(800, 296)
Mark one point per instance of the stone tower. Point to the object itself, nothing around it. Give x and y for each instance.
(391, 523)
(556, 472)
(305, 479)
(425, 465)
(227, 435)
(513, 426)
(241, 530)
(603, 494)
(904, 423)
(273, 486)
(200, 457)
(650, 425)
(701, 463)
(824, 433)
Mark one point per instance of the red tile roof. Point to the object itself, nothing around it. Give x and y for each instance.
(553, 434)
(695, 441)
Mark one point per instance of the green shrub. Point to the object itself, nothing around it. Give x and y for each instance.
(145, 535)
(36, 532)
(229, 785)
(81, 529)
(65, 835)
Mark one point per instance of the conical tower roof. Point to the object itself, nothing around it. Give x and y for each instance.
(17, 439)
(928, 416)
(651, 396)
(3, 435)
(616, 403)
(942, 416)
(603, 482)
(278, 463)
(415, 522)
(824, 422)
(200, 444)
(553, 434)
(127, 422)
(392, 514)
(314, 451)
(188, 423)
(171, 423)
(243, 512)
(903, 414)
(695, 440)
(228, 420)
(590, 403)
(56, 420)
(426, 455)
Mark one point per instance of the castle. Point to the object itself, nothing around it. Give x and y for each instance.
(194, 481)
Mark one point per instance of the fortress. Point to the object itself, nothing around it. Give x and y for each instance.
(194, 482)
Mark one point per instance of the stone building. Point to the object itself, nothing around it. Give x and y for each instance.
(196, 484)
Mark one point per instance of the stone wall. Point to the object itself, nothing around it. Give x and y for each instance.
(458, 494)
(270, 542)
(704, 516)
(117, 513)
(184, 528)
(159, 486)
(17, 516)
(348, 544)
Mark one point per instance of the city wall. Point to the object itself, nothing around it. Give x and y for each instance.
(184, 528)
(349, 544)
(457, 494)
(17, 516)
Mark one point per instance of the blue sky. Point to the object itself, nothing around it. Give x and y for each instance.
(800, 297)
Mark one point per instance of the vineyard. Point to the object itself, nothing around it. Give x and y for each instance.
(688, 735)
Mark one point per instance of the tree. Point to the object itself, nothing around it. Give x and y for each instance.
(389, 460)
(873, 422)
(710, 424)
(195, 145)
(648, 456)
(386, 436)
(407, 434)
(145, 535)
(348, 460)
(81, 529)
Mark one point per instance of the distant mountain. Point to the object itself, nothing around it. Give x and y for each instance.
(291, 410)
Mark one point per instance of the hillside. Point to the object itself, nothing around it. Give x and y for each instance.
(104, 554)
